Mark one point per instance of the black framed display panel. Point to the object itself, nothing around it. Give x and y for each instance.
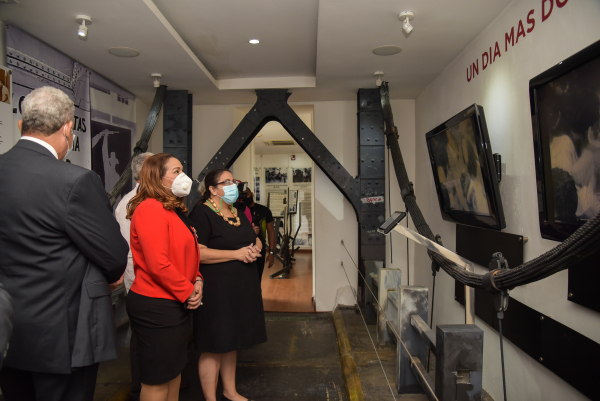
(464, 172)
(565, 115)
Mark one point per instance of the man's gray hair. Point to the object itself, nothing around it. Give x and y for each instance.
(137, 163)
(45, 110)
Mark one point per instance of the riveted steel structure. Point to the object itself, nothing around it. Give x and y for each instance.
(371, 162)
(271, 105)
(177, 127)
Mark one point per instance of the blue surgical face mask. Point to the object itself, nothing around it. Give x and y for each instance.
(231, 194)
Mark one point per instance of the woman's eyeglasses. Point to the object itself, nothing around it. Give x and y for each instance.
(225, 183)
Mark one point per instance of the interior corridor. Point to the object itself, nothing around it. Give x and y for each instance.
(293, 294)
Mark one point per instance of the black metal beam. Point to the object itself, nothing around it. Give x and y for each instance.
(271, 105)
(177, 127)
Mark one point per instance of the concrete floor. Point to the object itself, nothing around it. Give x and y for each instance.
(300, 361)
(374, 383)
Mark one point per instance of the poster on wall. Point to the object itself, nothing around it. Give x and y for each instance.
(301, 175)
(6, 117)
(111, 150)
(276, 175)
(257, 184)
(277, 202)
(113, 130)
(35, 64)
(5, 84)
(257, 189)
(293, 201)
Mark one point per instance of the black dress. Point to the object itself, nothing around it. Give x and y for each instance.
(231, 317)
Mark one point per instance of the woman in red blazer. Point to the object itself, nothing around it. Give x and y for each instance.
(167, 282)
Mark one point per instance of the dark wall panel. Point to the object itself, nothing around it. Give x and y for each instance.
(567, 353)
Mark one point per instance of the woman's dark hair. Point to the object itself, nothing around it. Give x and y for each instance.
(211, 180)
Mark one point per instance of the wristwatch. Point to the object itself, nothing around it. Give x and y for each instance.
(271, 252)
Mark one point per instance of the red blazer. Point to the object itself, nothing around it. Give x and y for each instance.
(165, 253)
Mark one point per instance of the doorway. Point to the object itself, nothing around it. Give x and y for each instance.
(281, 176)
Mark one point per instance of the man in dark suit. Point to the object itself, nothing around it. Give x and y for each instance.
(60, 247)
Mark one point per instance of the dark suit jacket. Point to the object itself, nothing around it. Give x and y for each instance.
(57, 236)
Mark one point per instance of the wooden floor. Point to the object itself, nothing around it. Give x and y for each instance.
(293, 294)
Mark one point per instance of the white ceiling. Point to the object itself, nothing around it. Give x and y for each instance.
(320, 49)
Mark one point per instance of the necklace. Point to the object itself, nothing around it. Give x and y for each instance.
(213, 206)
(212, 203)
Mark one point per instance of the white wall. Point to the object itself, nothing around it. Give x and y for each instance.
(334, 220)
(502, 89)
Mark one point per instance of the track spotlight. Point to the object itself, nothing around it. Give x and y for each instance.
(83, 20)
(407, 27)
(378, 78)
(156, 79)
(406, 16)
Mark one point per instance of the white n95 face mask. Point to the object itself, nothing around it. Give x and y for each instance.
(182, 185)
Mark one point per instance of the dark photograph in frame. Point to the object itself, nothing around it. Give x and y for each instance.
(565, 115)
(302, 175)
(464, 170)
(565, 112)
(276, 175)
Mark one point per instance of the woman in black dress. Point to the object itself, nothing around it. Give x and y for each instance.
(232, 316)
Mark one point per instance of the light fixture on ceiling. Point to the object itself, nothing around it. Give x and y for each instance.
(82, 20)
(387, 50)
(378, 78)
(254, 41)
(406, 16)
(123, 52)
(156, 79)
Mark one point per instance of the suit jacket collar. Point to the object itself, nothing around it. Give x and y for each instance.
(36, 147)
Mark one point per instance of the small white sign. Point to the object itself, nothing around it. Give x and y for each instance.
(372, 199)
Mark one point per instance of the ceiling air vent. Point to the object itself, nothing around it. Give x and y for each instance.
(279, 143)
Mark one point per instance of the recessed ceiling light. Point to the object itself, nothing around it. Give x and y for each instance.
(387, 50)
(123, 52)
(254, 41)
(259, 135)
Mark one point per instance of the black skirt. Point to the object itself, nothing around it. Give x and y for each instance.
(161, 328)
